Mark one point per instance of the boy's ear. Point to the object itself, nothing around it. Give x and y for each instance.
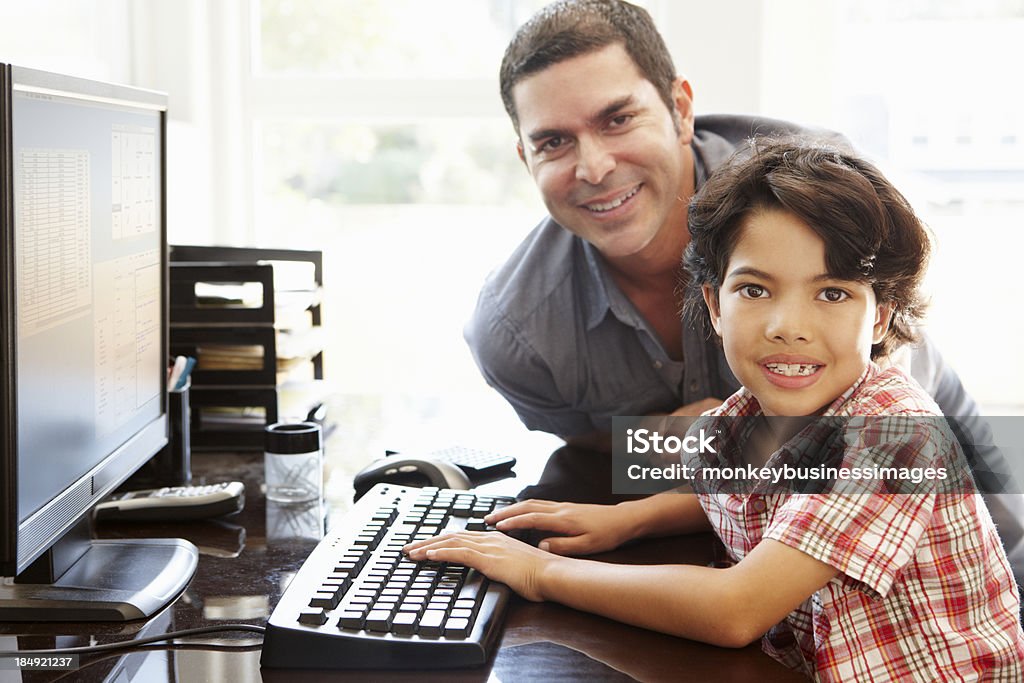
(711, 300)
(883, 316)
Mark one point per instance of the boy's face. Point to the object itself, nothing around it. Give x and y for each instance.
(606, 152)
(794, 336)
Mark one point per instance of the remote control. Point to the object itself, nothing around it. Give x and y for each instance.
(175, 503)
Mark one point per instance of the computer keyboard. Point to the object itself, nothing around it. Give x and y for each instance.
(358, 603)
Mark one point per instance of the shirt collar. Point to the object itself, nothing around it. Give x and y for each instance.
(837, 407)
(743, 403)
(601, 294)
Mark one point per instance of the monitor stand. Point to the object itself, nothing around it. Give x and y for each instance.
(111, 580)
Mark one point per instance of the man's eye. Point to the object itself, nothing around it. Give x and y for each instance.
(752, 291)
(833, 295)
(551, 144)
(620, 120)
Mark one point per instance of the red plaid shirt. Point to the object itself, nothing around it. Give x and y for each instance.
(924, 591)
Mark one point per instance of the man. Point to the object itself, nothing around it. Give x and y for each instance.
(582, 323)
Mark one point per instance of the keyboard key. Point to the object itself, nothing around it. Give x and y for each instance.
(325, 599)
(456, 627)
(378, 620)
(352, 619)
(313, 617)
(404, 623)
(431, 623)
(473, 587)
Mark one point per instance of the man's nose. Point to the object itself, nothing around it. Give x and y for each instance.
(789, 322)
(594, 160)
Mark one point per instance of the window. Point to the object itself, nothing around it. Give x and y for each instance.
(929, 100)
(379, 136)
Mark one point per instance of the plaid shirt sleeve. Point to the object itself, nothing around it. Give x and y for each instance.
(868, 536)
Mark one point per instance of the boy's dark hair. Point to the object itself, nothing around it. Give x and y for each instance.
(871, 233)
(570, 28)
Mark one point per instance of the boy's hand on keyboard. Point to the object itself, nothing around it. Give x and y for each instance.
(581, 529)
(496, 556)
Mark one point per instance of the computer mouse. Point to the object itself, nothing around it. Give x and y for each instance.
(410, 472)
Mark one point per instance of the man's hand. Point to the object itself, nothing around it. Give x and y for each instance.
(580, 529)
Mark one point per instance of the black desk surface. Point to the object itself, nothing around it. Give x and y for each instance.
(247, 560)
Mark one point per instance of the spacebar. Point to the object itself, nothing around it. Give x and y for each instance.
(474, 587)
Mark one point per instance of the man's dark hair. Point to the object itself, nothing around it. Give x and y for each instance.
(571, 28)
(871, 233)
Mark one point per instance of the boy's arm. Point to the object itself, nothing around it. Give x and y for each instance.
(582, 529)
(726, 607)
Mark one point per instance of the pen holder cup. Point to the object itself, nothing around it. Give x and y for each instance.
(293, 462)
(172, 465)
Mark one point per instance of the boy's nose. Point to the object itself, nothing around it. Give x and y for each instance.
(788, 324)
(594, 161)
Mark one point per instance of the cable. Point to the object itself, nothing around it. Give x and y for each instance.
(128, 644)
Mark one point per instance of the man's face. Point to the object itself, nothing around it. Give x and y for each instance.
(796, 337)
(605, 151)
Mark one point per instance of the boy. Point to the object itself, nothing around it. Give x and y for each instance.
(808, 262)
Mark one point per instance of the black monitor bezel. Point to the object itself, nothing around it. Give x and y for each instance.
(45, 526)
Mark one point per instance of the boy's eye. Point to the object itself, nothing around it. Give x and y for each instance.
(752, 291)
(833, 295)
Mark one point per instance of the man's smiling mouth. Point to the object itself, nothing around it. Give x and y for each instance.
(613, 204)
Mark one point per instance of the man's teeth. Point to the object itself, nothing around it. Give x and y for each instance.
(792, 369)
(613, 203)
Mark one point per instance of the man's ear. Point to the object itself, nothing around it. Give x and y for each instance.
(521, 152)
(883, 316)
(715, 311)
(682, 95)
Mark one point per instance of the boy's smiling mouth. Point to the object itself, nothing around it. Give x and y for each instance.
(792, 369)
(791, 372)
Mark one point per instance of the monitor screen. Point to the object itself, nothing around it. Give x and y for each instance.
(87, 212)
(84, 321)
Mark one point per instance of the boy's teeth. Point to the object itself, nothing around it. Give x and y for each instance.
(613, 203)
(792, 369)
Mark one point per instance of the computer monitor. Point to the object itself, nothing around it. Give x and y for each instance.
(83, 344)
